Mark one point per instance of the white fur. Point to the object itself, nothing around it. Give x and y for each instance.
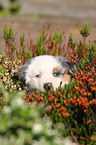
(44, 66)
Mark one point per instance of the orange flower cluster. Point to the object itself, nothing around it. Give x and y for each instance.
(51, 98)
(93, 101)
(72, 60)
(63, 111)
(88, 67)
(55, 96)
(50, 107)
(40, 99)
(57, 106)
(33, 98)
(91, 139)
(80, 101)
(65, 102)
(52, 101)
(93, 104)
(29, 98)
(86, 89)
(86, 81)
(89, 121)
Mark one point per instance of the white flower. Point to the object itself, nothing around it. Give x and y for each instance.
(6, 86)
(12, 87)
(6, 110)
(37, 128)
(19, 89)
(18, 101)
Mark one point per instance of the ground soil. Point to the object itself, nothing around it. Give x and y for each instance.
(65, 15)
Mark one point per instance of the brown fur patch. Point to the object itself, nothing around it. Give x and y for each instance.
(67, 78)
(54, 69)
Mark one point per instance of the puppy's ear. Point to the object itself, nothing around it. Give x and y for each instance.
(70, 67)
(22, 71)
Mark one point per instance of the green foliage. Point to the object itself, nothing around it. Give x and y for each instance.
(2, 96)
(4, 12)
(1, 69)
(15, 7)
(91, 53)
(85, 30)
(81, 48)
(21, 124)
(22, 40)
(39, 45)
(89, 57)
(57, 38)
(71, 43)
(9, 38)
(8, 34)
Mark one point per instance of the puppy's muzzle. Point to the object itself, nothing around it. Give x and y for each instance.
(47, 86)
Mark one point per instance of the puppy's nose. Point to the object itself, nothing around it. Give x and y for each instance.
(47, 86)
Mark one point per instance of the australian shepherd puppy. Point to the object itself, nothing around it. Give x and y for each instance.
(46, 72)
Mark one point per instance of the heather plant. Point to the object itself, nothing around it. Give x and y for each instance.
(85, 31)
(21, 124)
(75, 105)
(71, 43)
(88, 59)
(9, 38)
(47, 43)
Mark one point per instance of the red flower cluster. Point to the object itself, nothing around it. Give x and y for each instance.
(29, 98)
(32, 97)
(89, 121)
(51, 98)
(63, 111)
(87, 81)
(57, 106)
(81, 102)
(72, 59)
(40, 99)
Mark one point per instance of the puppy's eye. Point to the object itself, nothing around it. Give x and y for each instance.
(38, 76)
(56, 74)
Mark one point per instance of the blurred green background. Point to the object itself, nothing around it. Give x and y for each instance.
(31, 15)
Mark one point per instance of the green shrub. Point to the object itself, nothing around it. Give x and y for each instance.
(15, 7)
(20, 124)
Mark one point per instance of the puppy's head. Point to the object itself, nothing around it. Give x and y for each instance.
(44, 72)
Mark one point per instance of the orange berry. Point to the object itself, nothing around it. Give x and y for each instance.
(91, 139)
(85, 111)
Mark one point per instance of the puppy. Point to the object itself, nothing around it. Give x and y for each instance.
(45, 72)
